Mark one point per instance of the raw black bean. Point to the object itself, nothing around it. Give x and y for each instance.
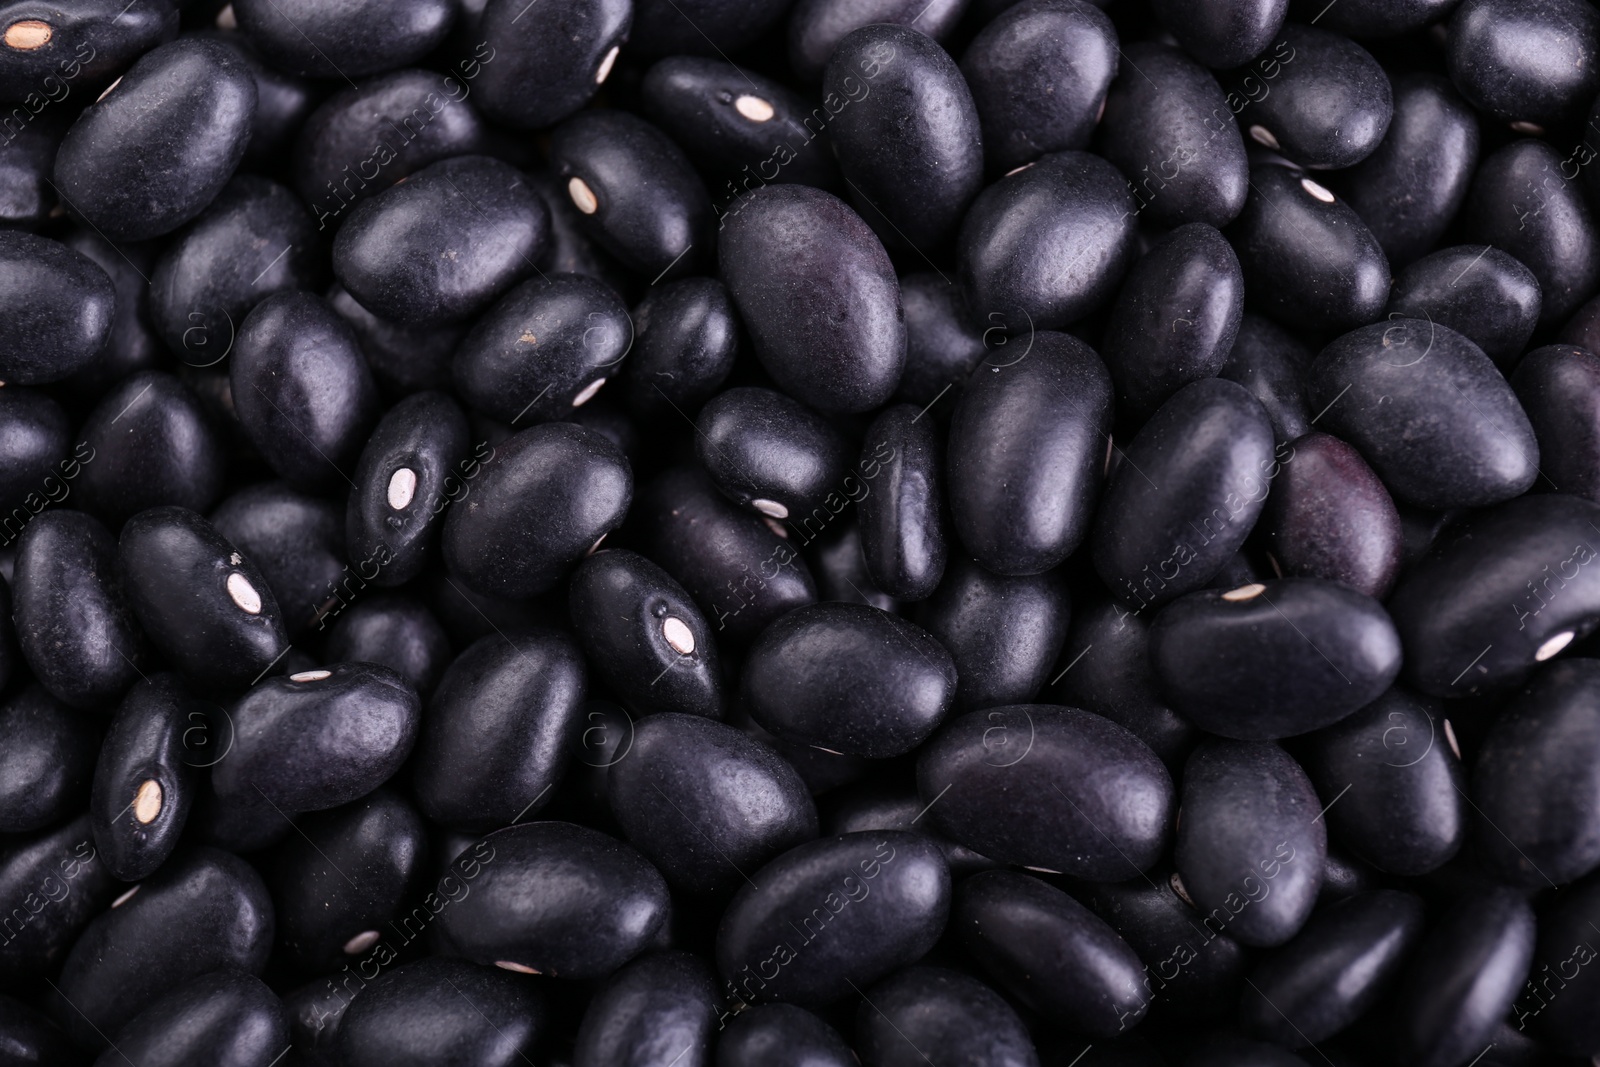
(393, 630)
(769, 453)
(1003, 633)
(1049, 788)
(781, 1035)
(1270, 362)
(1532, 64)
(36, 442)
(1225, 34)
(283, 102)
(438, 1010)
(62, 305)
(942, 347)
(686, 339)
(47, 763)
(902, 517)
(32, 1038)
(298, 542)
(1478, 291)
(872, 807)
(533, 907)
(1555, 1004)
(86, 41)
(1559, 387)
(545, 63)
(26, 159)
(346, 39)
(144, 782)
(655, 1005)
(54, 883)
(403, 359)
(1251, 842)
(222, 1017)
(830, 916)
(1326, 105)
(817, 27)
(937, 1008)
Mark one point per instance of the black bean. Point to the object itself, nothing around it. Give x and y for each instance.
(393, 630)
(532, 905)
(1555, 1003)
(1050, 788)
(817, 27)
(35, 444)
(840, 565)
(74, 615)
(47, 762)
(440, 1009)
(1532, 64)
(346, 39)
(297, 540)
(283, 101)
(684, 347)
(222, 1017)
(1224, 34)
(88, 41)
(545, 63)
(944, 1010)
(1559, 387)
(26, 159)
(769, 453)
(869, 806)
(1251, 841)
(1003, 633)
(942, 347)
(1478, 291)
(144, 782)
(55, 883)
(403, 359)
(1318, 98)
(657, 1007)
(781, 1035)
(189, 102)
(1270, 362)
(1372, 18)
(62, 304)
(831, 916)
(902, 519)
(32, 1038)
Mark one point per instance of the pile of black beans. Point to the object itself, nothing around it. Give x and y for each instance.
(799, 533)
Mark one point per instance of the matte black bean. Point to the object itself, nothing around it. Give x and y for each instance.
(768, 452)
(440, 1009)
(741, 573)
(1225, 34)
(88, 42)
(34, 446)
(1002, 632)
(158, 146)
(1429, 411)
(911, 151)
(1478, 291)
(545, 348)
(902, 523)
(47, 763)
(150, 442)
(645, 633)
(1045, 246)
(144, 781)
(222, 1017)
(402, 482)
(1250, 843)
(1051, 952)
(1027, 448)
(297, 540)
(346, 39)
(546, 497)
(546, 63)
(817, 27)
(1402, 792)
(1273, 660)
(1462, 979)
(1270, 362)
(1554, 1005)
(1523, 203)
(1413, 184)
(686, 338)
(1330, 517)
(62, 309)
(1530, 64)
(1187, 493)
(533, 905)
(494, 739)
(781, 1035)
(1168, 125)
(942, 346)
(705, 802)
(393, 630)
(832, 914)
(283, 103)
(302, 390)
(1309, 261)
(663, 1001)
(1049, 788)
(938, 1008)
(74, 615)
(1326, 102)
(818, 294)
(1559, 387)
(202, 911)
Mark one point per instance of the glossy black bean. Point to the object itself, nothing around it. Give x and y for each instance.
(88, 42)
(737, 125)
(768, 452)
(319, 739)
(866, 903)
(1270, 362)
(1251, 843)
(1507, 590)
(534, 905)
(1273, 660)
(938, 1008)
(297, 541)
(202, 911)
(343, 40)
(144, 780)
(1168, 125)
(283, 102)
(47, 763)
(1330, 517)
(255, 239)
(544, 349)
(190, 101)
(546, 497)
(818, 294)
(393, 516)
(644, 632)
(1554, 1005)
(1429, 411)
(1187, 493)
(151, 443)
(1045, 246)
(1026, 449)
(393, 630)
(494, 737)
(704, 802)
(63, 309)
(1478, 291)
(1225, 34)
(1002, 632)
(1413, 184)
(1462, 979)
(661, 1002)
(74, 615)
(1309, 261)
(1524, 203)
(818, 27)
(1318, 98)
(741, 573)
(902, 522)
(226, 1016)
(546, 63)
(302, 389)
(781, 1035)
(35, 444)
(1051, 952)
(942, 346)
(437, 1010)
(1559, 387)
(1049, 788)
(910, 143)
(686, 338)
(1531, 64)
(54, 883)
